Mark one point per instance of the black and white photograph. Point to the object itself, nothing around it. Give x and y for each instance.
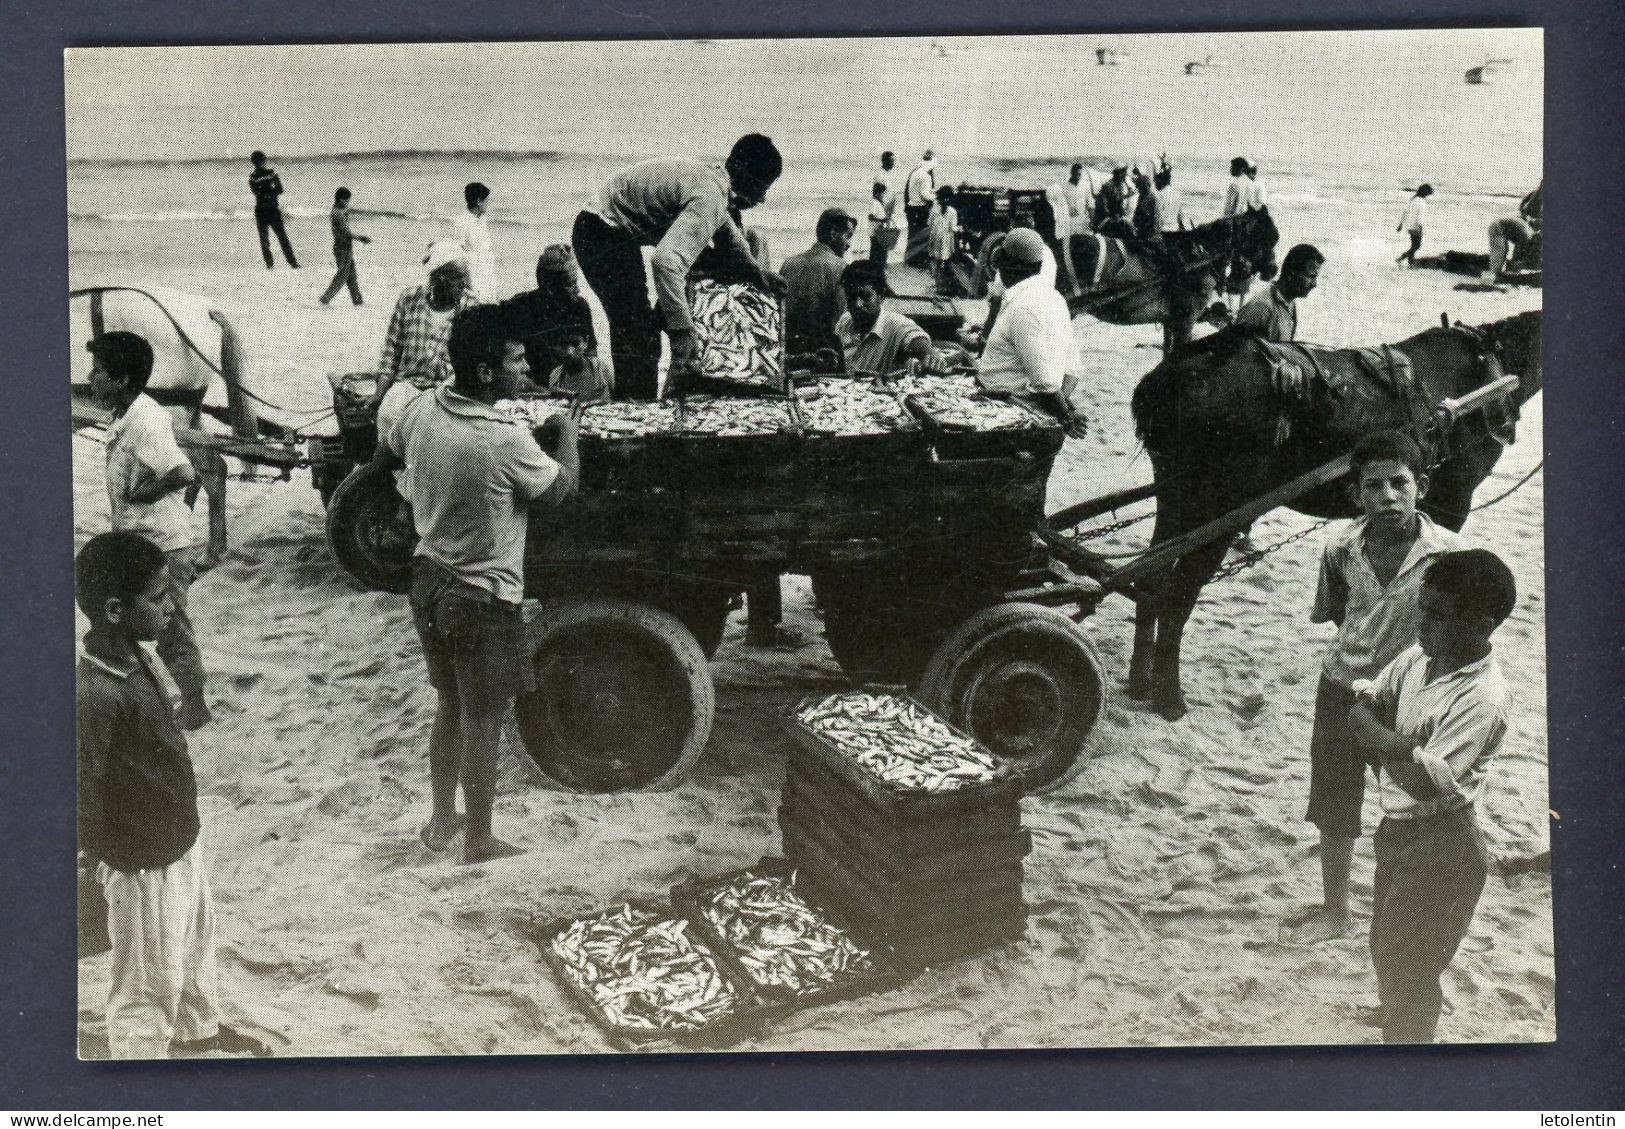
(860, 544)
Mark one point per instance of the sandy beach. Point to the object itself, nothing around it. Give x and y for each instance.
(1158, 876)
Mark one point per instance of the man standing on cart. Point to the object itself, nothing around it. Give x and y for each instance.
(475, 474)
(676, 205)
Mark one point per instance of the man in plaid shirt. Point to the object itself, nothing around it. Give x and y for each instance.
(415, 346)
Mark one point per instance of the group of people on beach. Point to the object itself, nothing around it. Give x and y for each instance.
(1409, 689)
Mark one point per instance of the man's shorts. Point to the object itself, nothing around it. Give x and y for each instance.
(1336, 766)
(476, 646)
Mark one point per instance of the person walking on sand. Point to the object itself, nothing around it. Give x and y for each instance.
(1434, 720)
(138, 820)
(147, 476)
(472, 229)
(1411, 223)
(1370, 584)
(344, 240)
(266, 186)
(475, 475)
(677, 205)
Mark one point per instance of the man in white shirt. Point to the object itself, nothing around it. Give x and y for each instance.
(1239, 191)
(474, 233)
(919, 194)
(1030, 348)
(147, 473)
(1411, 223)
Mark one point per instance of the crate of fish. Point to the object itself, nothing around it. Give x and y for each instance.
(903, 833)
(731, 431)
(739, 335)
(789, 949)
(900, 755)
(629, 444)
(888, 855)
(641, 974)
(964, 421)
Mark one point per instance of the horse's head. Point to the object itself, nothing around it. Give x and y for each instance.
(1253, 240)
(1515, 343)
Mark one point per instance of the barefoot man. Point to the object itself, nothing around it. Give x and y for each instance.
(475, 473)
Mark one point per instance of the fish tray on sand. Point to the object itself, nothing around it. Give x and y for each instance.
(740, 1021)
(691, 899)
(896, 803)
(811, 787)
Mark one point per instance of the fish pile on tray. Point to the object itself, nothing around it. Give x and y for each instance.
(739, 330)
(643, 971)
(781, 940)
(629, 419)
(898, 742)
(723, 415)
(533, 411)
(955, 401)
(851, 407)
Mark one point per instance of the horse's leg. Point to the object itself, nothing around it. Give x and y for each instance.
(211, 469)
(1185, 586)
(1147, 607)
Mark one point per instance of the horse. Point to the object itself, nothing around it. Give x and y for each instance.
(191, 344)
(1173, 279)
(1222, 429)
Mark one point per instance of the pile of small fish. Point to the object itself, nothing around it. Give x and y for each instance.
(899, 742)
(642, 970)
(851, 407)
(629, 419)
(739, 330)
(533, 411)
(781, 940)
(723, 415)
(955, 401)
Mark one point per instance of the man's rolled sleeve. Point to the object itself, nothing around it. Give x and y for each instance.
(530, 471)
(688, 235)
(158, 451)
(1028, 334)
(1455, 746)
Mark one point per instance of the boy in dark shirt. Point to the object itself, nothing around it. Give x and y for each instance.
(138, 818)
(266, 186)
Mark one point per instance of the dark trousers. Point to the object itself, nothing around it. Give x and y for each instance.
(612, 262)
(917, 253)
(1416, 245)
(1430, 873)
(268, 220)
(345, 257)
(878, 252)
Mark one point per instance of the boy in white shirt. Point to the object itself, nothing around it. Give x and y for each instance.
(1411, 223)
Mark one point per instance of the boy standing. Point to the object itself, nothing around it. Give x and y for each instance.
(1370, 585)
(266, 186)
(944, 237)
(1435, 717)
(1411, 223)
(146, 475)
(138, 819)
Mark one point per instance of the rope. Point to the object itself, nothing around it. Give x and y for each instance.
(192, 345)
(1519, 485)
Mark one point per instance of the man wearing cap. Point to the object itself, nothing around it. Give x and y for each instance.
(1030, 348)
(813, 300)
(540, 317)
(146, 475)
(676, 205)
(415, 345)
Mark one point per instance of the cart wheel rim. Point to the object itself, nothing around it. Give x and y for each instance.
(623, 698)
(1015, 707)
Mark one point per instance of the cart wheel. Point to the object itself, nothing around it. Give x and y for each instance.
(1025, 681)
(623, 697)
(705, 614)
(369, 529)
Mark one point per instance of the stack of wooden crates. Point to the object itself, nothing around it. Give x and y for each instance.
(932, 875)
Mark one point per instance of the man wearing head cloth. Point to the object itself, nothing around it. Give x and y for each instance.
(415, 346)
(813, 301)
(539, 317)
(1030, 348)
(676, 205)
